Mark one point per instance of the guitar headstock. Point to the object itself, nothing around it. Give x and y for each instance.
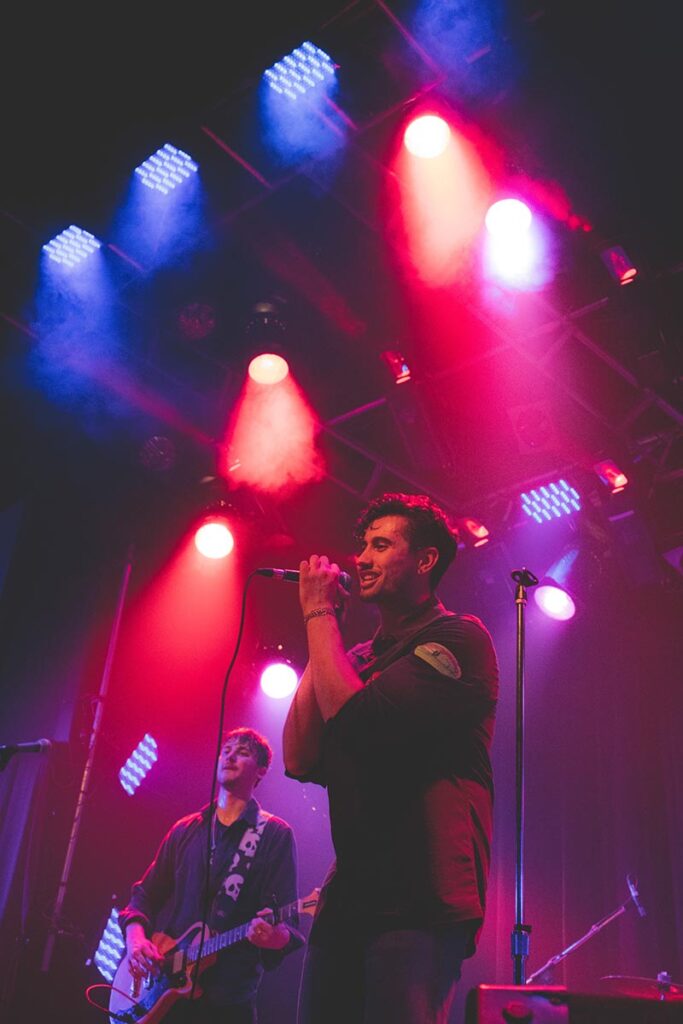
(310, 902)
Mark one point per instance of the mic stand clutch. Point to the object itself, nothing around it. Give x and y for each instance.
(520, 934)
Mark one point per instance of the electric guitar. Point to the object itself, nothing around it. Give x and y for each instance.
(147, 1001)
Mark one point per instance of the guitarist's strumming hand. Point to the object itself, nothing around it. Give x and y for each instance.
(263, 934)
(144, 957)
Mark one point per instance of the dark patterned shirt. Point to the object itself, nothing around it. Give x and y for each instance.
(170, 895)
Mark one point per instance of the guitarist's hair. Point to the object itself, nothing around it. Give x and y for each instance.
(258, 744)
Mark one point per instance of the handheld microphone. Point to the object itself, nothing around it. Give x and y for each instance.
(292, 576)
(635, 895)
(38, 747)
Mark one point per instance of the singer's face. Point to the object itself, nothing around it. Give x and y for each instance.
(387, 566)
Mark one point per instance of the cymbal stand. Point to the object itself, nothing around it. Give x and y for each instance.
(593, 930)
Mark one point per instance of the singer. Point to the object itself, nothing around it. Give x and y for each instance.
(399, 730)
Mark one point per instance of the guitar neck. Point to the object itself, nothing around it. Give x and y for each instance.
(215, 943)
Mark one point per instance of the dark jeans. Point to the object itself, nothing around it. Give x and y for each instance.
(399, 977)
(200, 1012)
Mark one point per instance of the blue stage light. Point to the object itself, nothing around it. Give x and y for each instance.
(301, 71)
(166, 169)
(139, 764)
(71, 246)
(110, 948)
(552, 501)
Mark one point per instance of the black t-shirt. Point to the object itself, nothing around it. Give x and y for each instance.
(407, 768)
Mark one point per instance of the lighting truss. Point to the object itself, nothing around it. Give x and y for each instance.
(166, 169)
(71, 246)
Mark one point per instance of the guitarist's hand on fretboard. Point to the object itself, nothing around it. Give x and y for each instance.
(265, 935)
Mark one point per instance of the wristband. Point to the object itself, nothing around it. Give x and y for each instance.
(319, 611)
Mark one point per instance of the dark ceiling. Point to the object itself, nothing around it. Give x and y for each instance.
(584, 95)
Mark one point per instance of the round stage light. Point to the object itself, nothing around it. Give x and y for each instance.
(427, 136)
(508, 219)
(213, 539)
(278, 680)
(268, 368)
(555, 602)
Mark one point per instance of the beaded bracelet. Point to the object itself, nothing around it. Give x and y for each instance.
(319, 611)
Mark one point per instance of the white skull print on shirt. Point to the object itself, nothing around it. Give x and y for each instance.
(240, 865)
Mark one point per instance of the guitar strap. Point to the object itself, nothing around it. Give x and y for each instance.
(229, 889)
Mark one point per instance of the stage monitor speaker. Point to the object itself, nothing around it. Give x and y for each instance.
(549, 1004)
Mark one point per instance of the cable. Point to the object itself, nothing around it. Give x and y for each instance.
(207, 889)
(110, 988)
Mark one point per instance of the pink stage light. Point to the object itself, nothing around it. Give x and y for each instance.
(427, 136)
(444, 190)
(508, 219)
(555, 602)
(620, 265)
(213, 539)
(268, 368)
(514, 250)
(555, 594)
(478, 534)
(611, 475)
(398, 367)
(270, 443)
(278, 680)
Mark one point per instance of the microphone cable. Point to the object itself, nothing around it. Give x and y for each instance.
(221, 717)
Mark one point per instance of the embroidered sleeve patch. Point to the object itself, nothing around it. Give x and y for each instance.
(440, 658)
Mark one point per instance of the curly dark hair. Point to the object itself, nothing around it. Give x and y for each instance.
(428, 526)
(258, 744)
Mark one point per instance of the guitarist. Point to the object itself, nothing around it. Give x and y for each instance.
(252, 863)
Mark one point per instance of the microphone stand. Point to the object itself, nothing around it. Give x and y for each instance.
(520, 933)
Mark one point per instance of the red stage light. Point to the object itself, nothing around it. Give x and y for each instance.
(611, 475)
(213, 539)
(270, 442)
(268, 368)
(619, 264)
(477, 533)
(427, 136)
(443, 201)
(397, 365)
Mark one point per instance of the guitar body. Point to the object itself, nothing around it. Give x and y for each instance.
(133, 1001)
(147, 1002)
